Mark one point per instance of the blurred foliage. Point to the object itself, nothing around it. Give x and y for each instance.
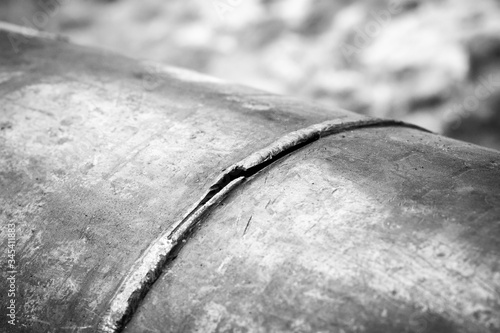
(435, 63)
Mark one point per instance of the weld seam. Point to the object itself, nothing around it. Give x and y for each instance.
(149, 267)
(159, 254)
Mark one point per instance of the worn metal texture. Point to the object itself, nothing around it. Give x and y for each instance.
(365, 231)
(99, 154)
(107, 165)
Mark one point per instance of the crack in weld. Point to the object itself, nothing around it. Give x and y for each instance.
(164, 249)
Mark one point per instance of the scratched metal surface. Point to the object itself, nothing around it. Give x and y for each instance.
(372, 230)
(99, 154)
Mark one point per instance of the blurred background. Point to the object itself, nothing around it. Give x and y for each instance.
(435, 63)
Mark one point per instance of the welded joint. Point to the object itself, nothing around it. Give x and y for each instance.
(148, 268)
(157, 256)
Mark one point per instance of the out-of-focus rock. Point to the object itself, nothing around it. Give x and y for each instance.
(485, 120)
(484, 55)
